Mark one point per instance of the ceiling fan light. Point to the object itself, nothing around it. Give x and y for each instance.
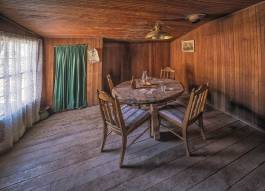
(165, 36)
(157, 34)
(151, 35)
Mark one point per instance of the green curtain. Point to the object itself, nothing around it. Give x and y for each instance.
(70, 77)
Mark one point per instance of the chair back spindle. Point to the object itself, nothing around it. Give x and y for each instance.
(110, 110)
(120, 120)
(167, 73)
(193, 113)
(196, 104)
(110, 83)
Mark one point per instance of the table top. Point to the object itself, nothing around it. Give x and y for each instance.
(148, 94)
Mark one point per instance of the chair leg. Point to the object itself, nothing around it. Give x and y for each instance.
(123, 149)
(185, 137)
(104, 137)
(202, 127)
(150, 128)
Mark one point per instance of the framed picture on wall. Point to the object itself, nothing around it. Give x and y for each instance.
(187, 46)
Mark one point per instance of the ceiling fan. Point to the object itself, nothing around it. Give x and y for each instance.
(157, 34)
(194, 18)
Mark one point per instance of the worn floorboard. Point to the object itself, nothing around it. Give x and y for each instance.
(62, 153)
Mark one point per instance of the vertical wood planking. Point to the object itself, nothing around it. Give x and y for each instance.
(260, 11)
(229, 53)
(94, 71)
(116, 62)
(150, 56)
(123, 59)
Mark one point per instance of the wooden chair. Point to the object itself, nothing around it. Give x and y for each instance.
(167, 73)
(110, 83)
(120, 120)
(111, 86)
(193, 113)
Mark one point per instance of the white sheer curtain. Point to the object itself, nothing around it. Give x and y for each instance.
(20, 86)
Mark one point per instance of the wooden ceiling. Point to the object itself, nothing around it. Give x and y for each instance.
(117, 19)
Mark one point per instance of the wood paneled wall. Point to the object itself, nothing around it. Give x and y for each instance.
(150, 56)
(129, 19)
(116, 62)
(94, 71)
(230, 55)
(124, 59)
(120, 59)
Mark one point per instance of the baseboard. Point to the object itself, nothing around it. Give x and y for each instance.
(254, 126)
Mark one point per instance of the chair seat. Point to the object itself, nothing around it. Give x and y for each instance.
(133, 117)
(173, 114)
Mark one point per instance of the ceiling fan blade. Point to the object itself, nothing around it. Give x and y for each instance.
(174, 19)
(214, 16)
(193, 18)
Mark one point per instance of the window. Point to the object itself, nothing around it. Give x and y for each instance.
(20, 73)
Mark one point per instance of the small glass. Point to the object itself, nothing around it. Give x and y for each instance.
(144, 77)
(163, 88)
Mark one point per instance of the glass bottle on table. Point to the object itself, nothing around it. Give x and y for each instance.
(163, 87)
(133, 83)
(144, 77)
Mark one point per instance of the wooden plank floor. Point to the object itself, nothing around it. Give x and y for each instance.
(62, 153)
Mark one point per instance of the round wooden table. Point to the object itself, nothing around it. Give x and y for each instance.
(152, 94)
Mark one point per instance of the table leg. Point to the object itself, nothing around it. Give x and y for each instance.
(154, 122)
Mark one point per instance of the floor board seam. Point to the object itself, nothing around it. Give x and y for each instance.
(71, 165)
(196, 149)
(246, 175)
(195, 163)
(226, 165)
